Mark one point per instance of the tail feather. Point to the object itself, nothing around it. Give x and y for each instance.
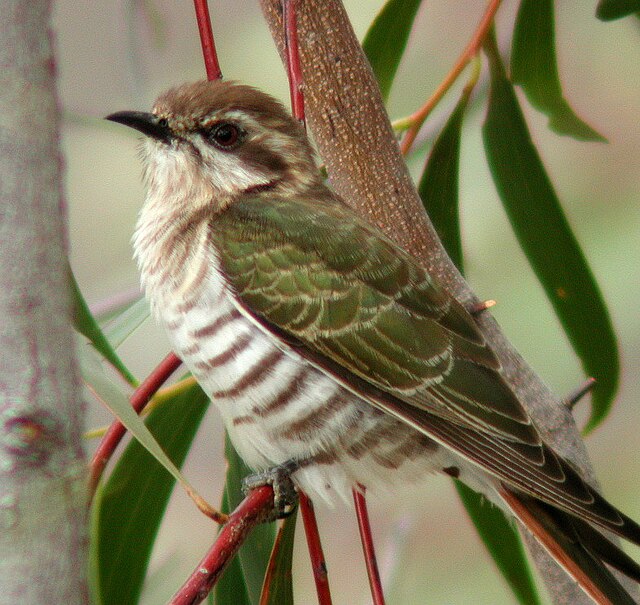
(576, 546)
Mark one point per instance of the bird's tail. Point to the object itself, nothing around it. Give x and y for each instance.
(576, 546)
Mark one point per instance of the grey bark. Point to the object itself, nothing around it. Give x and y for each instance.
(43, 507)
(349, 124)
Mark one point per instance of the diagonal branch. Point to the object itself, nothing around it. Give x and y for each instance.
(347, 118)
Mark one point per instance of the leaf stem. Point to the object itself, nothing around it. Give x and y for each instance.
(414, 122)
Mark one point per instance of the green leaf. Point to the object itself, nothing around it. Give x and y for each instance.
(546, 238)
(85, 323)
(278, 586)
(535, 68)
(129, 507)
(254, 554)
(127, 322)
(608, 10)
(438, 187)
(503, 542)
(111, 396)
(387, 38)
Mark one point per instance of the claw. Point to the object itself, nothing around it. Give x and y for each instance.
(285, 496)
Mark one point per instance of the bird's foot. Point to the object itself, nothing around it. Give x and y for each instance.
(285, 496)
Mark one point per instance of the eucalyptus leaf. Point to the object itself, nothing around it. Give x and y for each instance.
(129, 506)
(85, 323)
(503, 542)
(544, 234)
(534, 67)
(113, 398)
(278, 586)
(438, 186)
(127, 322)
(608, 10)
(438, 189)
(386, 40)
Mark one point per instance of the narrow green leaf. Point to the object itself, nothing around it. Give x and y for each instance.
(503, 542)
(127, 322)
(85, 323)
(279, 590)
(387, 38)
(438, 189)
(111, 396)
(131, 503)
(254, 554)
(546, 238)
(608, 10)
(535, 68)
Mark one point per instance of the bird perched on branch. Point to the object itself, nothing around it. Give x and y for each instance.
(330, 351)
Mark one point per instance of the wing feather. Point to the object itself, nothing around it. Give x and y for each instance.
(361, 309)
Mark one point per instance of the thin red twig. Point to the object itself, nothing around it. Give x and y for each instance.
(117, 430)
(251, 511)
(318, 563)
(209, 53)
(294, 72)
(472, 49)
(366, 538)
(294, 68)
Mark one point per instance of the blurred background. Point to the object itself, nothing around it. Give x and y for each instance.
(114, 56)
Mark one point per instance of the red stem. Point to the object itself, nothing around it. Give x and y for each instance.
(251, 511)
(294, 68)
(206, 40)
(318, 563)
(117, 430)
(366, 538)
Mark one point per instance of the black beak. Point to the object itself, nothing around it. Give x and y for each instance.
(147, 123)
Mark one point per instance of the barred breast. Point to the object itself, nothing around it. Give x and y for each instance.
(276, 406)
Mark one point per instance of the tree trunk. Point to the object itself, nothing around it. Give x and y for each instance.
(42, 472)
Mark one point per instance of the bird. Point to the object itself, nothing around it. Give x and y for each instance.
(329, 350)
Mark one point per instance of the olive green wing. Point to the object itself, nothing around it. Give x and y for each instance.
(360, 308)
(326, 278)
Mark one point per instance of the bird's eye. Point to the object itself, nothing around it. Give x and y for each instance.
(163, 122)
(225, 135)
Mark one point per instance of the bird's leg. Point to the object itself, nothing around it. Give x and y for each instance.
(285, 496)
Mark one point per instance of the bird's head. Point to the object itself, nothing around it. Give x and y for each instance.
(217, 140)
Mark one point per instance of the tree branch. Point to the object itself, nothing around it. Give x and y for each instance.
(42, 473)
(347, 118)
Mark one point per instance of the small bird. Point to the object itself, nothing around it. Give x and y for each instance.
(328, 349)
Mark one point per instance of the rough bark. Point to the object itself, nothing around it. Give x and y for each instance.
(349, 124)
(42, 479)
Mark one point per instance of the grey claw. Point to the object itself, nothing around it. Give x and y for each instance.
(285, 496)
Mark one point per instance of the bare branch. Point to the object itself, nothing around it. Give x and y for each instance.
(347, 118)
